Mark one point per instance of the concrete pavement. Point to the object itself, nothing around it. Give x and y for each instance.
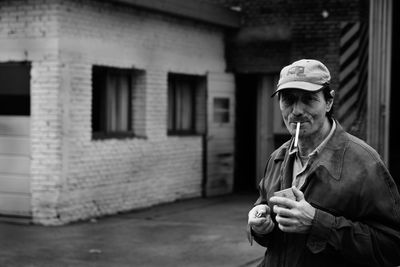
(196, 232)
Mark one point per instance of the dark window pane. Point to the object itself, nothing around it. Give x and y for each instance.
(221, 117)
(221, 103)
(221, 110)
(111, 100)
(182, 103)
(15, 105)
(15, 89)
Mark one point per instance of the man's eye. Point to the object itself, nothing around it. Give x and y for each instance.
(288, 100)
(308, 99)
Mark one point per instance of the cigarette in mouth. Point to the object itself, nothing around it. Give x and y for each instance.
(296, 137)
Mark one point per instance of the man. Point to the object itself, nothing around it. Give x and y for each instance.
(345, 209)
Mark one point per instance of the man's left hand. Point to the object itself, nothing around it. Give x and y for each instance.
(293, 216)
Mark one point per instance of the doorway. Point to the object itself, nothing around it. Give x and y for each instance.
(257, 128)
(245, 141)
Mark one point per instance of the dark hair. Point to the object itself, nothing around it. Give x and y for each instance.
(328, 95)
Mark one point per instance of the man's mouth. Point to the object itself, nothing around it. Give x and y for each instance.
(295, 122)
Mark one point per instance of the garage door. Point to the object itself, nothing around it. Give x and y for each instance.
(15, 196)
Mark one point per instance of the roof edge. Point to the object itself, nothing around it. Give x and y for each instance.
(201, 11)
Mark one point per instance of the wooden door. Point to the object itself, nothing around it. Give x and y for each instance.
(220, 133)
(265, 122)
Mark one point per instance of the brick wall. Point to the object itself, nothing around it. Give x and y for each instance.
(73, 176)
(46, 137)
(107, 176)
(29, 32)
(278, 32)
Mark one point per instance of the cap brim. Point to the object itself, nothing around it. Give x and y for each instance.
(311, 87)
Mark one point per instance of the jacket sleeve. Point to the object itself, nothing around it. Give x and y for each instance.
(372, 237)
(263, 240)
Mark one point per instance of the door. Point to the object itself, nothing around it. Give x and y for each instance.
(220, 133)
(257, 118)
(265, 122)
(245, 178)
(15, 197)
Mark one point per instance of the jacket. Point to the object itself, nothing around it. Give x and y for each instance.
(357, 219)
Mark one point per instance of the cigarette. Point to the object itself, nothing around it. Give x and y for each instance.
(296, 138)
(259, 214)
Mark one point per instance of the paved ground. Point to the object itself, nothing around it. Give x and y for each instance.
(197, 232)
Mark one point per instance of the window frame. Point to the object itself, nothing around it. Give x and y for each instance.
(194, 82)
(221, 112)
(100, 132)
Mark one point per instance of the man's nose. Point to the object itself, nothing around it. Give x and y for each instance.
(298, 108)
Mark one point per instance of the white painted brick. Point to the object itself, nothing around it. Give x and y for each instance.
(73, 176)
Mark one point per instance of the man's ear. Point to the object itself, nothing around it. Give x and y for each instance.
(330, 101)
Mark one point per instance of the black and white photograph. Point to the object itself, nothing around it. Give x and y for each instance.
(199, 133)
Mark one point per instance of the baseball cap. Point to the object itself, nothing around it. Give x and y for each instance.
(305, 74)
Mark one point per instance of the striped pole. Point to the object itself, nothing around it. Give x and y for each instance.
(353, 77)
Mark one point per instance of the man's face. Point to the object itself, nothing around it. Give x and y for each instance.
(308, 108)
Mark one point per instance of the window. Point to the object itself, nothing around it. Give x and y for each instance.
(186, 104)
(115, 91)
(15, 89)
(221, 110)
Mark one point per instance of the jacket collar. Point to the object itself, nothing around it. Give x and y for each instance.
(331, 157)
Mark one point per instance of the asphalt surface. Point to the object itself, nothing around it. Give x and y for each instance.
(196, 232)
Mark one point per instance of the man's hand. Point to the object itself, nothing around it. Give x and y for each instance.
(260, 219)
(293, 216)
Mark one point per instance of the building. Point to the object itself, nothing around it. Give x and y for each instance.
(272, 35)
(357, 41)
(108, 106)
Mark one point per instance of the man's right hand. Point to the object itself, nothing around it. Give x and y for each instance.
(260, 220)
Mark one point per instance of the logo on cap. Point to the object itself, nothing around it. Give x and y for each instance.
(298, 71)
